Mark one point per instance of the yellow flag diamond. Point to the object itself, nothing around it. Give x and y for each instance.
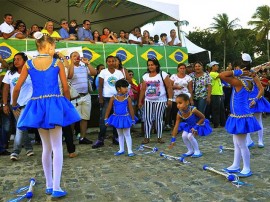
(178, 56)
(123, 54)
(7, 52)
(90, 54)
(151, 53)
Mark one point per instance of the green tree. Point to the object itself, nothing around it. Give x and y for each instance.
(204, 38)
(261, 21)
(223, 29)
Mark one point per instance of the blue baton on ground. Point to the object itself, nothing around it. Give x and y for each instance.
(230, 177)
(28, 194)
(154, 149)
(221, 148)
(166, 156)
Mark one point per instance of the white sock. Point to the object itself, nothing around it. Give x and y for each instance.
(57, 147)
(237, 155)
(46, 156)
(121, 140)
(248, 139)
(187, 142)
(260, 132)
(194, 144)
(241, 141)
(128, 139)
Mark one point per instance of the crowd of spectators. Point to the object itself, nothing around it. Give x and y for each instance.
(72, 31)
(200, 82)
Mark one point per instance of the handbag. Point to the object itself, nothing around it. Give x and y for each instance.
(164, 84)
(73, 92)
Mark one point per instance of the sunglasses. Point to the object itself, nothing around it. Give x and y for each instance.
(131, 74)
(21, 25)
(63, 23)
(87, 24)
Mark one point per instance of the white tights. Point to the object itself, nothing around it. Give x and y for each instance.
(240, 150)
(52, 156)
(124, 133)
(258, 117)
(191, 143)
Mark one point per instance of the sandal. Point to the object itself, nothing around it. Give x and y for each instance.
(146, 141)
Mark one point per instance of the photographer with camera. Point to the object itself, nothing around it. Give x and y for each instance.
(78, 75)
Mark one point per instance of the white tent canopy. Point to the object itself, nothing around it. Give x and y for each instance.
(169, 9)
(126, 15)
(191, 47)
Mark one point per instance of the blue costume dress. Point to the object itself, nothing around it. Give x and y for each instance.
(262, 105)
(47, 107)
(191, 122)
(241, 119)
(121, 117)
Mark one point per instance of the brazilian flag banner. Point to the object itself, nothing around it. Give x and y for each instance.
(133, 57)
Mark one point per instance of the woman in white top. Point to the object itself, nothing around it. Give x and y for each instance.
(156, 86)
(10, 80)
(181, 83)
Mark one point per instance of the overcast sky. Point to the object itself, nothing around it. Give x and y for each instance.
(200, 13)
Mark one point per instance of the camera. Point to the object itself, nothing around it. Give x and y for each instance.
(56, 56)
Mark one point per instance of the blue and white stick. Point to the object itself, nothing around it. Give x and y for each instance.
(20, 190)
(28, 194)
(166, 156)
(230, 177)
(154, 149)
(221, 148)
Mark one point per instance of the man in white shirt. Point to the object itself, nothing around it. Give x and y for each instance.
(173, 40)
(135, 38)
(6, 27)
(78, 76)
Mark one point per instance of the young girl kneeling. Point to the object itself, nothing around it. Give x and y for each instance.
(192, 123)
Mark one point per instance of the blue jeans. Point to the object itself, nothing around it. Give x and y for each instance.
(200, 104)
(102, 127)
(217, 110)
(5, 128)
(20, 138)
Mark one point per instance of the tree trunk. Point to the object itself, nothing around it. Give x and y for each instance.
(267, 46)
(224, 52)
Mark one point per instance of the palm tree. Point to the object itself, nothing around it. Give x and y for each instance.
(224, 31)
(262, 25)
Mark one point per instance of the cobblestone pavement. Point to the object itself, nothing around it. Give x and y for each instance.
(97, 175)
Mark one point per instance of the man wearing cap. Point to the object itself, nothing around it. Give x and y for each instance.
(217, 102)
(246, 57)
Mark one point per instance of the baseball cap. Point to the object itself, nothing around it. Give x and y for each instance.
(213, 63)
(246, 57)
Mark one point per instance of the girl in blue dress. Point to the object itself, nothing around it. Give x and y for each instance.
(123, 116)
(258, 104)
(47, 109)
(241, 120)
(192, 122)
